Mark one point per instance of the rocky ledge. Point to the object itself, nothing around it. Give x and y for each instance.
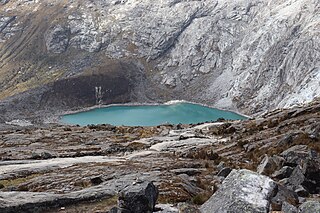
(271, 163)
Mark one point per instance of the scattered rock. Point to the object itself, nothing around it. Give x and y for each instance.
(241, 191)
(138, 198)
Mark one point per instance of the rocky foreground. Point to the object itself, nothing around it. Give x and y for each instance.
(258, 165)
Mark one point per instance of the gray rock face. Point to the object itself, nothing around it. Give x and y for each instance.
(8, 27)
(245, 55)
(310, 206)
(241, 191)
(138, 198)
(57, 39)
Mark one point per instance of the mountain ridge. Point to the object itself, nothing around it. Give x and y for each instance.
(248, 56)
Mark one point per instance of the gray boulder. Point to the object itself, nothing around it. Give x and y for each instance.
(295, 155)
(288, 208)
(310, 207)
(297, 177)
(283, 195)
(241, 191)
(269, 164)
(138, 198)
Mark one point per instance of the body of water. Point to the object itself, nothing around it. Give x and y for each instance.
(153, 115)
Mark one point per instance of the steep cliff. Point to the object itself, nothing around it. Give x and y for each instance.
(245, 55)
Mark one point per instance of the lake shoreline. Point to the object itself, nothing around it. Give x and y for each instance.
(58, 119)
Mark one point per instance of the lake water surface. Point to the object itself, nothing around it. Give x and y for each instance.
(149, 115)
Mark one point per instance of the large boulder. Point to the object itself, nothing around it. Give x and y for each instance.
(310, 207)
(140, 197)
(241, 191)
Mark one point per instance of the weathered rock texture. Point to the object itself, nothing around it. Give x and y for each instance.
(140, 197)
(245, 55)
(241, 191)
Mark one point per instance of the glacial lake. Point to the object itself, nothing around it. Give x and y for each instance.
(149, 115)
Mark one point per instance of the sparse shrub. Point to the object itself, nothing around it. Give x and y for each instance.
(201, 198)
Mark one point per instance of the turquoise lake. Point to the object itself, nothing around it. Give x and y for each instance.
(185, 113)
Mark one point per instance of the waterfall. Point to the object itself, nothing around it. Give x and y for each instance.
(98, 95)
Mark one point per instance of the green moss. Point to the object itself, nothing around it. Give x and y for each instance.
(201, 198)
(17, 181)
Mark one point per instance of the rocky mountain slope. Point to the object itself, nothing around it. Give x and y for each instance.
(244, 55)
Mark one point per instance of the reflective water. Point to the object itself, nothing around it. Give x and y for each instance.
(184, 113)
